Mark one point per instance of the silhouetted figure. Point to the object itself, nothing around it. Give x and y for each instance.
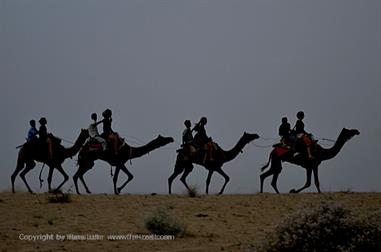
(201, 137)
(202, 141)
(93, 131)
(45, 141)
(302, 134)
(32, 133)
(107, 130)
(108, 134)
(187, 133)
(43, 130)
(299, 125)
(284, 131)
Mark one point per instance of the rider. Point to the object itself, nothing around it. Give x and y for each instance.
(302, 134)
(202, 140)
(284, 131)
(93, 131)
(45, 141)
(108, 133)
(32, 133)
(187, 133)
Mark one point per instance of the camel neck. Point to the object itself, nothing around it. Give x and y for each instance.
(135, 152)
(233, 153)
(326, 154)
(73, 150)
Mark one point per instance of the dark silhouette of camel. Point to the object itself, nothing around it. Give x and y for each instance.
(185, 161)
(311, 165)
(31, 152)
(86, 160)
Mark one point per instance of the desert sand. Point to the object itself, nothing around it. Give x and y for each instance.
(214, 223)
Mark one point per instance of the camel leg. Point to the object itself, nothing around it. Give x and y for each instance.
(83, 181)
(274, 182)
(19, 167)
(264, 176)
(29, 166)
(178, 170)
(79, 174)
(308, 182)
(316, 178)
(130, 177)
(220, 171)
(50, 177)
(66, 177)
(115, 179)
(75, 179)
(208, 181)
(275, 169)
(185, 175)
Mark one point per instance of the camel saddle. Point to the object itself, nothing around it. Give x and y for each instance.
(94, 145)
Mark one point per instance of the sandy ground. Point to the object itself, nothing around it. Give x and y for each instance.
(214, 223)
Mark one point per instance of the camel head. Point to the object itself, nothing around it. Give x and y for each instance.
(247, 137)
(347, 134)
(161, 140)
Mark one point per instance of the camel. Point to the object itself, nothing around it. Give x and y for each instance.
(185, 161)
(311, 165)
(86, 160)
(31, 152)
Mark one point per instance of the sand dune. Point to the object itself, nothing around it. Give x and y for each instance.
(214, 223)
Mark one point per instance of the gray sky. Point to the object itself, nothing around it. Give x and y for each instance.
(243, 64)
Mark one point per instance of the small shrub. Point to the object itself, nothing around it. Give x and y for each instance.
(60, 197)
(326, 228)
(161, 223)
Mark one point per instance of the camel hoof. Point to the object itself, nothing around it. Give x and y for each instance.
(88, 192)
(293, 191)
(119, 190)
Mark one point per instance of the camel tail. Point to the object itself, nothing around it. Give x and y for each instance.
(268, 162)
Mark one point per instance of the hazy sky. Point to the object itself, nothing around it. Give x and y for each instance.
(243, 64)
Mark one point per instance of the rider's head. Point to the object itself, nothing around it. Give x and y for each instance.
(187, 123)
(300, 115)
(94, 116)
(284, 119)
(107, 113)
(203, 120)
(43, 121)
(32, 123)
